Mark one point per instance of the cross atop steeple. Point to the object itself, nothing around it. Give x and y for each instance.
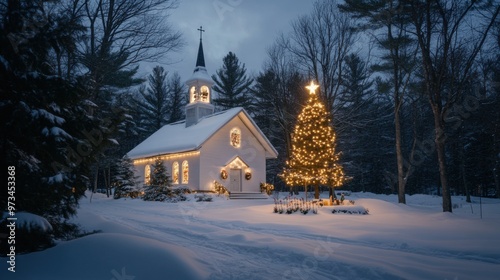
(201, 30)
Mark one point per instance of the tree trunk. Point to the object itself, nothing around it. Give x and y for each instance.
(440, 149)
(316, 191)
(497, 181)
(108, 183)
(105, 177)
(399, 155)
(496, 168)
(462, 171)
(466, 186)
(95, 183)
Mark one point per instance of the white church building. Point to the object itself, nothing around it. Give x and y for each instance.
(227, 147)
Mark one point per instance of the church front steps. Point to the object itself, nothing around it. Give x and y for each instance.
(247, 195)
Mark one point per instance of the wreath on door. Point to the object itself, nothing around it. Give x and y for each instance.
(223, 174)
(248, 175)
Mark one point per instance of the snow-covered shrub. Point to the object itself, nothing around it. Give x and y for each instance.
(156, 193)
(179, 193)
(203, 197)
(32, 232)
(173, 198)
(167, 194)
(181, 190)
(128, 191)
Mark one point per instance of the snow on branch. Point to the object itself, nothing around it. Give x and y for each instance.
(41, 113)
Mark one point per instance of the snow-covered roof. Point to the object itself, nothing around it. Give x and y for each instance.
(176, 137)
(200, 74)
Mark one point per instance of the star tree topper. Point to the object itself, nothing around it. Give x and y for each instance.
(312, 88)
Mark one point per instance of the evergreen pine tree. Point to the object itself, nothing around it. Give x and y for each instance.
(124, 181)
(47, 135)
(153, 105)
(158, 189)
(232, 84)
(360, 116)
(313, 160)
(160, 176)
(177, 98)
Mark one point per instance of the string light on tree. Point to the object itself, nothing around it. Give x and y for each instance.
(313, 160)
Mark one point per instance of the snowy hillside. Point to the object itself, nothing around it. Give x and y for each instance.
(244, 239)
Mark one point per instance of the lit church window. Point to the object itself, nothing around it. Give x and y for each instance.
(192, 94)
(204, 93)
(147, 174)
(235, 137)
(185, 172)
(175, 171)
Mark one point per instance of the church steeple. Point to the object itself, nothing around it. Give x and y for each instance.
(200, 60)
(200, 89)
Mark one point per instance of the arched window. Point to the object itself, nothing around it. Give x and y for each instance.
(235, 137)
(175, 172)
(204, 94)
(185, 172)
(193, 95)
(147, 174)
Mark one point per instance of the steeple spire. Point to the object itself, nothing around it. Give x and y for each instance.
(200, 60)
(200, 90)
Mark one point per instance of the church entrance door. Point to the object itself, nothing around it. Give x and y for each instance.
(235, 178)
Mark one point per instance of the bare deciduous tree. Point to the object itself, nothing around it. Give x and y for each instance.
(443, 28)
(398, 61)
(123, 33)
(136, 29)
(320, 42)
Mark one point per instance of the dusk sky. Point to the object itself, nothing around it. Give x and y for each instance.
(246, 28)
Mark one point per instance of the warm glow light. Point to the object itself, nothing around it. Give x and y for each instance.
(237, 163)
(147, 174)
(204, 94)
(313, 160)
(193, 96)
(165, 157)
(185, 172)
(235, 137)
(175, 173)
(312, 88)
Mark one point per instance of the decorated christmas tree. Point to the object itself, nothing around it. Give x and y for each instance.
(313, 160)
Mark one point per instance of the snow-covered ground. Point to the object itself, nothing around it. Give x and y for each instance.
(244, 239)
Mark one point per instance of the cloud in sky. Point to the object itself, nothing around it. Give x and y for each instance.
(244, 27)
